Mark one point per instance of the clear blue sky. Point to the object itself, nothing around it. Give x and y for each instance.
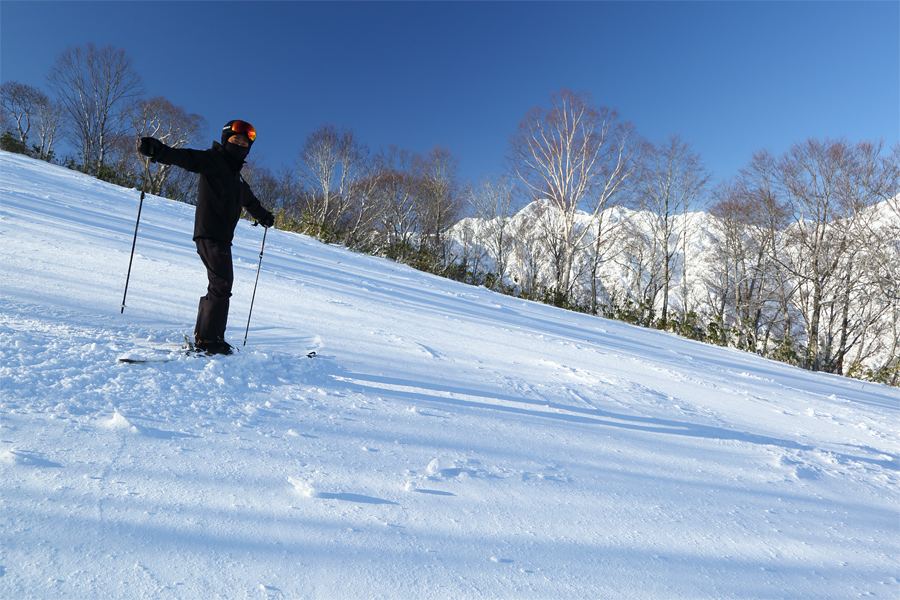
(730, 77)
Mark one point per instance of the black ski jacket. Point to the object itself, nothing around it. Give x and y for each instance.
(222, 191)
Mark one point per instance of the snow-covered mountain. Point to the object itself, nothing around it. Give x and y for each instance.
(446, 441)
(618, 259)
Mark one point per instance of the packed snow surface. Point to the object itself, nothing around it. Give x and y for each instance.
(446, 442)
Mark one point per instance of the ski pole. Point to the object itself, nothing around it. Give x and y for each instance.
(252, 298)
(134, 241)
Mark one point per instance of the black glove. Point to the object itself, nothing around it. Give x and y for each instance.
(151, 147)
(267, 220)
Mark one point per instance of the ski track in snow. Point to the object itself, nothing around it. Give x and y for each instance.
(445, 442)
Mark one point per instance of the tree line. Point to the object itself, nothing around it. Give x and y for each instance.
(797, 257)
(588, 215)
(392, 202)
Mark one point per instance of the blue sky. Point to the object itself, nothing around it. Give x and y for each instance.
(730, 77)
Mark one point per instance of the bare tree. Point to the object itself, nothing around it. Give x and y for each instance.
(529, 248)
(332, 161)
(892, 174)
(289, 211)
(95, 87)
(397, 179)
(175, 127)
(49, 115)
(831, 186)
(576, 155)
(880, 345)
(264, 183)
(750, 214)
(439, 200)
(884, 182)
(360, 217)
(855, 311)
(605, 247)
(641, 262)
(494, 203)
(556, 243)
(19, 103)
(471, 250)
(670, 183)
(810, 172)
(25, 107)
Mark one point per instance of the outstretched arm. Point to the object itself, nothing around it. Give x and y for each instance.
(195, 161)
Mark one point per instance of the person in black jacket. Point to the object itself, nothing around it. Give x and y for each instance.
(223, 193)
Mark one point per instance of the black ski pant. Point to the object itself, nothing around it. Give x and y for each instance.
(212, 315)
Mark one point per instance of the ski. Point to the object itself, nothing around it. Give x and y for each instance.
(134, 361)
(139, 358)
(190, 350)
(163, 354)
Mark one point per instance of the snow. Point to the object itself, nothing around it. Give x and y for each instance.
(445, 442)
(632, 268)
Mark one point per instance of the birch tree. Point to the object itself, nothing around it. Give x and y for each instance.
(264, 183)
(95, 88)
(332, 161)
(640, 260)
(49, 115)
(575, 155)
(856, 314)
(19, 104)
(397, 183)
(439, 200)
(493, 201)
(885, 186)
(831, 184)
(751, 214)
(24, 108)
(607, 245)
(176, 128)
(669, 185)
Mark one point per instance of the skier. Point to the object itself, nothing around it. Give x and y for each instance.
(222, 194)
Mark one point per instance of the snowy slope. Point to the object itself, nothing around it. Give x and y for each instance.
(446, 442)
